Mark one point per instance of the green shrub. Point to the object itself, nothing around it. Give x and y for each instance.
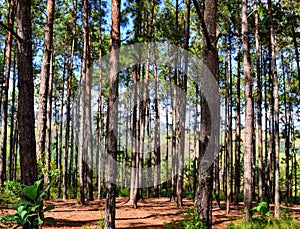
(123, 192)
(262, 219)
(30, 210)
(10, 193)
(295, 200)
(165, 192)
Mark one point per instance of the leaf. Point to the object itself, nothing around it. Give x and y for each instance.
(40, 221)
(8, 218)
(262, 207)
(24, 203)
(31, 191)
(35, 207)
(20, 209)
(23, 214)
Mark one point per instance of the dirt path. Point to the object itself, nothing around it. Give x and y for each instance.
(151, 213)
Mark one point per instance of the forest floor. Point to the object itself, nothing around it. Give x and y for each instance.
(151, 213)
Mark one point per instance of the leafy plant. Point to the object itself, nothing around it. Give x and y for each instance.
(123, 192)
(101, 221)
(263, 213)
(190, 221)
(262, 219)
(10, 192)
(30, 210)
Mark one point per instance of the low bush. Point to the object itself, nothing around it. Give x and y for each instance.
(30, 210)
(262, 219)
(10, 193)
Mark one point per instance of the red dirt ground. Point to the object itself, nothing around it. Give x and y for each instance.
(151, 213)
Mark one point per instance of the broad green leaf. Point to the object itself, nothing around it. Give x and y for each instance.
(20, 209)
(23, 214)
(262, 207)
(35, 207)
(31, 191)
(40, 221)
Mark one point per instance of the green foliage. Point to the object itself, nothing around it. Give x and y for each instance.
(10, 193)
(295, 200)
(262, 213)
(190, 221)
(101, 221)
(262, 207)
(31, 209)
(123, 192)
(263, 220)
(276, 224)
(165, 192)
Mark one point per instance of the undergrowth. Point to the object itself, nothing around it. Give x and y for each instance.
(190, 221)
(262, 219)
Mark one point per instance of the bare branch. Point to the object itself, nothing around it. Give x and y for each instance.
(12, 32)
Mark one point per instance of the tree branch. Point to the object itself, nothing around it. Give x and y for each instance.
(12, 32)
(206, 35)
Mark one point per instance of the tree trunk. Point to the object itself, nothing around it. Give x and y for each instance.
(26, 95)
(47, 178)
(87, 103)
(275, 115)
(203, 197)
(259, 108)
(134, 146)
(68, 107)
(228, 132)
(5, 98)
(60, 140)
(100, 126)
(112, 123)
(13, 128)
(238, 126)
(44, 83)
(286, 134)
(249, 115)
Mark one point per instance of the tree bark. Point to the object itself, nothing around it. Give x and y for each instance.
(259, 107)
(87, 102)
(47, 178)
(44, 83)
(112, 123)
(228, 131)
(13, 128)
(8, 44)
(248, 82)
(275, 115)
(68, 107)
(26, 95)
(203, 197)
(286, 134)
(238, 126)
